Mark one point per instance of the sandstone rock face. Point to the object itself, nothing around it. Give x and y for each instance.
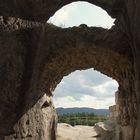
(107, 130)
(39, 123)
(35, 56)
(114, 110)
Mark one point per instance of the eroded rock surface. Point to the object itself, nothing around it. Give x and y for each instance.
(39, 123)
(107, 130)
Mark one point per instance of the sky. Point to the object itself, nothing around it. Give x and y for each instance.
(87, 88)
(78, 13)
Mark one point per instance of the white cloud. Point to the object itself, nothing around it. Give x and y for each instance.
(85, 101)
(85, 88)
(104, 89)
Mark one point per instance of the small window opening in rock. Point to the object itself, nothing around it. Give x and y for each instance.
(82, 99)
(46, 104)
(27, 122)
(78, 13)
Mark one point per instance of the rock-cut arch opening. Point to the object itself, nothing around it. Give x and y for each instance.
(96, 89)
(83, 99)
(77, 13)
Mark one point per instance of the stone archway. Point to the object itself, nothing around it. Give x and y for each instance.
(41, 11)
(39, 56)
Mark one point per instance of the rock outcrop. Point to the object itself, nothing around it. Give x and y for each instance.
(107, 130)
(35, 56)
(39, 123)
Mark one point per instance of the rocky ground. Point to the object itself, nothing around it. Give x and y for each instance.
(100, 131)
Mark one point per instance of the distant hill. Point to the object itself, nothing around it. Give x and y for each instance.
(61, 111)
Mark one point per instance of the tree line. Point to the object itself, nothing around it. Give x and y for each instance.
(83, 118)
